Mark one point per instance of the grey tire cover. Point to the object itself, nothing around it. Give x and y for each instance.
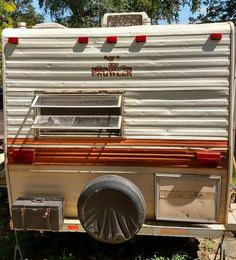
(111, 209)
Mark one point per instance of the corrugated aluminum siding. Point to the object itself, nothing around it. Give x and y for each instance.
(179, 88)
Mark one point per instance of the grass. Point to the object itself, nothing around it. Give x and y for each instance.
(234, 172)
(174, 257)
(234, 178)
(208, 245)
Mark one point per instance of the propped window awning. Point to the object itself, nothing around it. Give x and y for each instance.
(77, 101)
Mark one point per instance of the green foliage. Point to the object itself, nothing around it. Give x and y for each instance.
(25, 12)
(217, 11)
(6, 8)
(90, 12)
(234, 179)
(173, 257)
(12, 12)
(179, 257)
(208, 245)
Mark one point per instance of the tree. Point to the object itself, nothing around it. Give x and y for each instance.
(25, 12)
(217, 11)
(89, 12)
(6, 8)
(12, 12)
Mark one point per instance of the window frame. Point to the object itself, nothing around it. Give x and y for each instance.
(79, 132)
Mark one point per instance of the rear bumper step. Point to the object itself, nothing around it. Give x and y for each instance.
(161, 228)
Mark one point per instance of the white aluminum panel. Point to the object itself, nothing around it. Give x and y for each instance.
(172, 30)
(179, 87)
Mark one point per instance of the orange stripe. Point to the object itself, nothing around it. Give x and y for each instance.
(168, 231)
(119, 141)
(73, 227)
(117, 155)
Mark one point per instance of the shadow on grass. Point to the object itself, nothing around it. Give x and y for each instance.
(70, 246)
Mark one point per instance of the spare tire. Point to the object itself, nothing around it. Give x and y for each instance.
(111, 209)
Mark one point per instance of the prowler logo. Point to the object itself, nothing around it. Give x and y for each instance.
(112, 70)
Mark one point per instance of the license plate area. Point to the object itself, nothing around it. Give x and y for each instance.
(190, 198)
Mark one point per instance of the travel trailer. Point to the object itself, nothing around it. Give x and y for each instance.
(120, 130)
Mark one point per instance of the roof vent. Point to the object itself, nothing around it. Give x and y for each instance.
(49, 26)
(21, 25)
(125, 19)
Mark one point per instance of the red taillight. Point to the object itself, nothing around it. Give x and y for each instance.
(83, 40)
(208, 157)
(216, 36)
(23, 155)
(141, 38)
(112, 39)
(13, 40)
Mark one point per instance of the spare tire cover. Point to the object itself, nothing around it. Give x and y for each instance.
(111, 209)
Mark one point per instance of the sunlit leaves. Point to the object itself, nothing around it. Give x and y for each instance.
(6, 8)
(25, 12)
(216, 11)
(89, 12)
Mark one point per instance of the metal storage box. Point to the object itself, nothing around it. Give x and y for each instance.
(38, 213)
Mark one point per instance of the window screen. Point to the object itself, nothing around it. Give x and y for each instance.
(75, 115)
